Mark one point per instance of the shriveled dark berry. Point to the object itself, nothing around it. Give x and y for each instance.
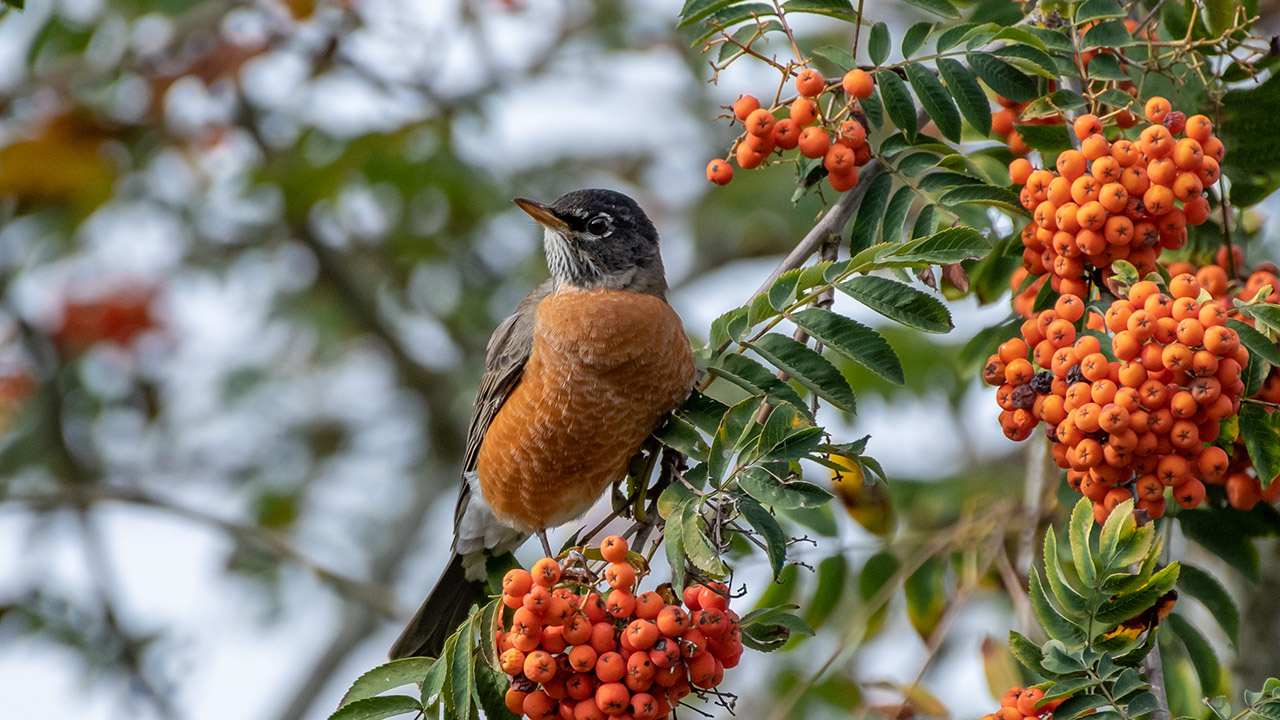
(1042, 382)
(1023, 397)
(1075, 375)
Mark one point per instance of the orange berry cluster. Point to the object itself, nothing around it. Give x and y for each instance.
(1133, 426)
(1019, 703)
(575, 654)
(842, 144)
(1116, 200)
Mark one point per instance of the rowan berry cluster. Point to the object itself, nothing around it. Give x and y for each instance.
(1132, 426)
(838, 136)
(1019, 703)
(575, 654)
(1114, 200)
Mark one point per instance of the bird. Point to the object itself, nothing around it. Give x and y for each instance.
(575, 380)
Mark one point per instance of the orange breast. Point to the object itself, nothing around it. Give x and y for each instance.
(606, 366)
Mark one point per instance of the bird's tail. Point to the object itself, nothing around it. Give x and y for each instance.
(441, 613)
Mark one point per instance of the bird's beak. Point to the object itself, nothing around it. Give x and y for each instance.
(543, 214)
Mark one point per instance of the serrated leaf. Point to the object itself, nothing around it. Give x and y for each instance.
(808, 368)
(680, 434)
(1262, 442)
(1109, 34)
(763, 486)
(1122, 542)
(899, 302)
(754, 378)
(734, 15)
(926, 595)
(1128, 681)
(1266, 315)
(1257, 343)
(878, 44)
(944, 179)
(853, 340)
(1045, 138)
(898, 102)
(938, 7)
(1142, 704)
(396, 673)
(461, 677)
(895, 214)
(1005, 79)
(989, 195)
(968, 94)
(837, 56)
(1072, 602)
(377, 708)
(1203, 659)
(1054, 103)
(1029, 654)
(914, 37)
(1104, 66)
(1077, 705)
(1057, 626)
(842, 9)
(490, 618)
(953, 35)
(730, 435)
(1030, 59)
(697, 545)
(1060, 659)
(913, 164)
(1204, 587)
(936, 101)
(673, 544)
(870, 212)
(1098, 10)
(949, 246)
(697, 10)
(926, 222)
(1222, 539)
(763, 522)
(1123, 607)
(783, 292)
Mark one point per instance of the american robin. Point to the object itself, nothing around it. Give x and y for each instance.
(574, 381)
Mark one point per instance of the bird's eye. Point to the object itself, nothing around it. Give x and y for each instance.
(598, 225)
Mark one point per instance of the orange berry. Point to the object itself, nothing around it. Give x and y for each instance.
(749, 158)
(546, 572)
(810, 83)
(1189, 493)
(1243, 492)
(1156, 108)
(719, 172)
(1019, 170)
(613, 698)
(786, 134)
(1086, 125)
(1070, 164)
(614, 549)
(804, 111)
(1095, 147)
(1156, 142)
(760, 122)
(814, 142)
(858, 83)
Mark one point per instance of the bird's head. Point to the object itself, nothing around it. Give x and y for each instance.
(599, 239)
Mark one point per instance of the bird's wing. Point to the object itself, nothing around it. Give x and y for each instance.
(505, 358)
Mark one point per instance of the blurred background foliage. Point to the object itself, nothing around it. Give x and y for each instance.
(250, 254)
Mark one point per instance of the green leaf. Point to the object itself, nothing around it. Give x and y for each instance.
(898, 103)
(1098, 10)
(16, 4)
(949, 246)
(837, 56)
(1220, 706)
(899, 302)
(1266, 315)
(491, 691)
(926, 222)
(842, 9)
(808, 368)
(1116, 98)
(1077, 705)
(936, 101)
(1128, 681)
(1143, 704)
(394, 674)
(755, 379)
(433, 684)
(870, 212)
(926, 595)
(696, 543)
(763, 522)
(1003, 78)
(852, 339)
(1054, 103)
(1110, 34)
(1257, 343)
(989, 195)
(1203, 659)
(729, 437)
(461, 673)
(1030, 59)
(763, 486)
(1029, 654)
(1204, 587)
(783, 292)
(1119, 608)
(734, 15)
(938, 7)
(953, 36)
(673, 544)
(770, 631)
(1262, 442)
(1222, 539)
(878, 44)
(968, 94)
(1045, 138)
(680, 434)
(1104, 66)
(913, 164)
(1122, 542)
(914, 37)
(377, 708)
(1057, 626)
(1072, 602)
(832, 573)
(895, 214)
(1068, 686)
(1060, 659)
(697, 10)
